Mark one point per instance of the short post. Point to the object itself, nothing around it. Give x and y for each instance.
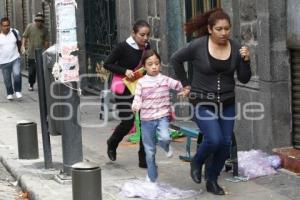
(27, 140)
(86, 181)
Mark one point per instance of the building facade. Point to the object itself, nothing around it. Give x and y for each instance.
(266, 26)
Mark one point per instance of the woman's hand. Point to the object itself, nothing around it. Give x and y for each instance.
(185, 92)
(129, 74)
(245, 53)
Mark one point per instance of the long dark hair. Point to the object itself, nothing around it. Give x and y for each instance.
(139, 24)
(199, 23)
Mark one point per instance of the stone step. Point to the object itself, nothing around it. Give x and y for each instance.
(290, 158)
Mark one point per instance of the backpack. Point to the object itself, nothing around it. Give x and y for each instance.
(19, 42)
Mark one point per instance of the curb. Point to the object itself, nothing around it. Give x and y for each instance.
(32, 180)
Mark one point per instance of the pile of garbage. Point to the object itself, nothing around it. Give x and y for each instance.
(256, 163)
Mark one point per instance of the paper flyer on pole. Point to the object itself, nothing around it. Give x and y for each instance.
(67, 39)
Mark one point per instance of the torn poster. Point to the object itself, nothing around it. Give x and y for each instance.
(67, 39)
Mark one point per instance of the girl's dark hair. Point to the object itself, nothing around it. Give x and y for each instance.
(148, 53)
(199, 23)
(139, 24)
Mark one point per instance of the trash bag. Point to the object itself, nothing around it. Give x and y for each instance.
(256, 163)
(155, 191)
(274, 161)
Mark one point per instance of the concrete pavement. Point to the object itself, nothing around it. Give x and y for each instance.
(8, 188)
(41, 184)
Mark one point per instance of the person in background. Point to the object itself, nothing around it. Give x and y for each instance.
(123, 60)
(10, 59)
(152, 99)
(215, 59)
(36, 36)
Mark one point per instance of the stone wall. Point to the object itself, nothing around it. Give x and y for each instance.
(149, 10)
(261, 25)
(125, 18)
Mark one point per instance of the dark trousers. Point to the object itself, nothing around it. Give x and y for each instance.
(127, 120)
(31, 72)
(217, 128)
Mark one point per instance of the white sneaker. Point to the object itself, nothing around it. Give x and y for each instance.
(169, 154)
(10, 97)
(19, 95)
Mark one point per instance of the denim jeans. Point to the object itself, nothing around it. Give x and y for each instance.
(15, 69)
(149, 130)
(217, 128)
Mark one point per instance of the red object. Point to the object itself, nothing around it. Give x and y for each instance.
(290, 158)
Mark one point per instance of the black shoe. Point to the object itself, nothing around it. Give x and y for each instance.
(196, 172)
(111, 152)
(213, 187)
(143, 165)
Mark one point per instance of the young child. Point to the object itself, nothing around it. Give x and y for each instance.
(152, 99)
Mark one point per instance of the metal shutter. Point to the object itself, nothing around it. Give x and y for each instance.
(296, 97)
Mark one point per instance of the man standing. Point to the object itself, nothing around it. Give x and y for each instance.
(37, 37)
(10, 59)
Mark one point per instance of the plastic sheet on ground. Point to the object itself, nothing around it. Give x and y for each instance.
(155, 191)
(256, 163)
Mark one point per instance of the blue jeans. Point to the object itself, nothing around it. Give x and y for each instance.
(15, 69)
(217, 131)
(149, 130)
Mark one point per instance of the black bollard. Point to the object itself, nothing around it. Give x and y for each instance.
(27, 140)
(86, 181)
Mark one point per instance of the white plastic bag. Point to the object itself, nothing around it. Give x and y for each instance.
(256, 163)
(154, 191)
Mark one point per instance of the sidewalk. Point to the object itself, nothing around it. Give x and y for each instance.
(41, 184)
(8, 190)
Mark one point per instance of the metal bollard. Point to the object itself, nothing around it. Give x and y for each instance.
(86, 181)
(27, 140)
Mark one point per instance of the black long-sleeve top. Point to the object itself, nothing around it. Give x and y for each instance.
(207, 84)
(123, 57)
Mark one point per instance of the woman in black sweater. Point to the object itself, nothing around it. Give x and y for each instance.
(215, 59)
(123, 60)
